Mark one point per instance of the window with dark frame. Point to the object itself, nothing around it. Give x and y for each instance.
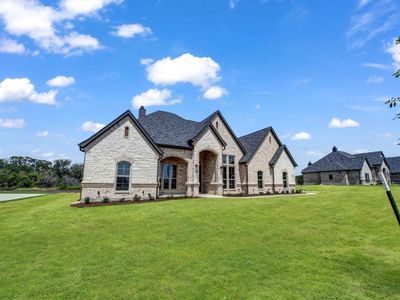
(260, 179)
(285, 179)
(367, 180)
(228, 171)
(126, 132)
(123, 175)
(168, 176)
(330, 177)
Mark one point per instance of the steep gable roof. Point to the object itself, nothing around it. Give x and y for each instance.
(170, 130)
(336, 161)
(252, 142)
(375, 158)
(128, 114)
(278, 154)
(394, 164)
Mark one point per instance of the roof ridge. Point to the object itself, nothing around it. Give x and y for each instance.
(266, 128)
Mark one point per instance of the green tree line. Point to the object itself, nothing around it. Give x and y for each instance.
(27, 172)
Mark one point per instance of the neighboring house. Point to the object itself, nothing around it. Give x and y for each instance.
(394, 165)
(378, 164)
(165, 154)
(338, 168)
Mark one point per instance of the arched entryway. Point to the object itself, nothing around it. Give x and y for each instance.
(208, 175)
(172, 176)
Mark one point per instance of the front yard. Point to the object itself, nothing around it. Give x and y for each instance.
(341, 243)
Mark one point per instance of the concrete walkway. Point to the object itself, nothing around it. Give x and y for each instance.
(8, 197)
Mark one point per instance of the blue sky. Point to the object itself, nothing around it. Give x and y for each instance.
(317, 71)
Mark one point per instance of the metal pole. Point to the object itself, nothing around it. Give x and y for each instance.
(390, 196)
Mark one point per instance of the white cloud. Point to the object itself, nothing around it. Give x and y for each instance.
(49, 26)
(19, 89)
(394, 50)
(233, 4)
(385, 135)
(357, 151)
(132, 30)
(11, 46)
(42, 133)
(315, 153)
(146, 61)
(215, 92)
(199, 71)
(48, 154)
(12, 123)
(154, 97)
(258, 106)
(91, 126)
(362, 3)
(61, 81)
(301, 136)
(303, 81)
(375, 79)
(376, 66)
(337, 123)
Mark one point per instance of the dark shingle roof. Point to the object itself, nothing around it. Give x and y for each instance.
(394, 164)
(336, 161)
(278, 153)
(168, 129)
(374, 158)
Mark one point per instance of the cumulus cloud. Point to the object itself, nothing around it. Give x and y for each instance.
(42, 133)
(92, 126)
(19, 89)
(61, 81)
(233, 4)
(376, 66)
(154, 97)
(215, 92)
(375, 79)
(48, 26)
(11, 46)
(146, 61)
(301, 136)
(199, 71)
(132, 30)
(337, 123)
(394, 50)
(315, 153)
(258, 106)
(12, 123)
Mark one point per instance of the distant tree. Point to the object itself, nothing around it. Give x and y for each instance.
(394, 100)
(76, 171)
(61, 168)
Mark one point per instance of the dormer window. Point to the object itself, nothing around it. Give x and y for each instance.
(270, 139)
(126, 132)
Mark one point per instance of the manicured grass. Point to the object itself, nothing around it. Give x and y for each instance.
(342, 243)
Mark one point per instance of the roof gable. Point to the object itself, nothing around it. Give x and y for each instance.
(375, 158)
(253, 141)
(278, 154)
(105, 129)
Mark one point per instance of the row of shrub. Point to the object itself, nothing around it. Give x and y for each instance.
(135, 198)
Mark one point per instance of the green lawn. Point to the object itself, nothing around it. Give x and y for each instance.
(341, 243)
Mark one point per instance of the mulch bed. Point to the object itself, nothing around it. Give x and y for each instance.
(95, 204)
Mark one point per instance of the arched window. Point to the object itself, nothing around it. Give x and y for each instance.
(126, 132)
(260, 179)
(123, 175)
(285, 179)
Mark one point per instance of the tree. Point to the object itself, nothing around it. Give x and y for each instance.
(61, 168)
(394, 100)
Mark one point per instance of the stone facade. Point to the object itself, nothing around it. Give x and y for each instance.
(195, 170)
(102, 156)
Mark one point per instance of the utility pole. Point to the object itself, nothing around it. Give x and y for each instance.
(390, 196)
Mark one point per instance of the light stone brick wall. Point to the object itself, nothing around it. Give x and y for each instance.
(101, 160)
(366, 169)
(232, 148)
(208, 141)
(260, 162)
(312, 178)
(339, 178)
(284, 164)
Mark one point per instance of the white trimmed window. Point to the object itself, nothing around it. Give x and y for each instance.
(228, 171)
(260, 180)
(123, 176)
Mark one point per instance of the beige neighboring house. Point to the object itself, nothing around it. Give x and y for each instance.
(163, 154)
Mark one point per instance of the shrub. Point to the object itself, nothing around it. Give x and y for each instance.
(150, 196)
(299, 190)
(87, 200)
(106, 200)
(122, 200)
(136, 198)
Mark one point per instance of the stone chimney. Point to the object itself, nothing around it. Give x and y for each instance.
(142, 113)
(309, 163)
(334, 149)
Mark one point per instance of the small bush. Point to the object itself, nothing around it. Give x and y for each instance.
(136, 198)
(150, 196)
(87, 200)
(122, 200)
(106, 200)
(298, 190)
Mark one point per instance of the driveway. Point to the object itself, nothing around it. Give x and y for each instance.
(7, 197)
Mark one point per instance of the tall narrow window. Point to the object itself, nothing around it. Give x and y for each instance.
(123, 175)
(285, 179)
(173, 177)
(126, 132)
(168, 176)
(216, 125)
(228, 171)
(366, 177)
(260, 179)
